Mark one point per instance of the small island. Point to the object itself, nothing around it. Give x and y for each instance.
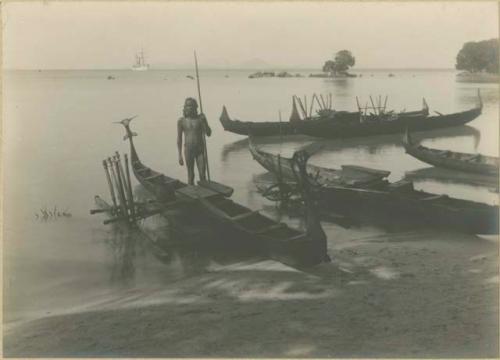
(479, 60)
(282, 74)
(337, 68)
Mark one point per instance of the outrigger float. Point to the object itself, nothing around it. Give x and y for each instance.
(363, 193)
(329, 123)
(207, 206)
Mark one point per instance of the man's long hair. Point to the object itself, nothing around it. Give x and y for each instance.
(195, 107)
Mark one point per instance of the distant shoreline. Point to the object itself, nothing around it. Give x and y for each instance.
(478, 77)
(246, 69)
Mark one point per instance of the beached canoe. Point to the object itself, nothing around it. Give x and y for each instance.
(473, 163)
(236, 226)
(375, 199)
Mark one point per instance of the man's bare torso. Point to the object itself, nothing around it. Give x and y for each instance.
(193, 132)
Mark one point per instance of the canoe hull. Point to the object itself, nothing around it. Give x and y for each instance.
(471, 163)
(330, 129)
(259, 129)
(232, 226)
(392, 203)
(411, 210)
(348, 124)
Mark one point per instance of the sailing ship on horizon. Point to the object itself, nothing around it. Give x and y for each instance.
(140, 62)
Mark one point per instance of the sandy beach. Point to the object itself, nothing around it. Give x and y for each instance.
(409, 294)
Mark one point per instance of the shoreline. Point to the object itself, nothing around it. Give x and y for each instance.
(408, 294)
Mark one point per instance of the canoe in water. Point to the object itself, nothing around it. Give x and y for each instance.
(472, 163)
(367, 195)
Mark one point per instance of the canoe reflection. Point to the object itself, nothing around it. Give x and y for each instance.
(454, 177)
(180, 252)
(372, 144)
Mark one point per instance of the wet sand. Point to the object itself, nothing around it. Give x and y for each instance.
(408, 294)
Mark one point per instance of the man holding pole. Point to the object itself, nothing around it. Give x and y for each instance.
(193, 126)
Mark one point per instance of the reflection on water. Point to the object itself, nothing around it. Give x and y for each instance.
(236, 146)
(456, 177)
(122, 243)
(340, 86)
(489, 94)
(178, 249)
(372, 144)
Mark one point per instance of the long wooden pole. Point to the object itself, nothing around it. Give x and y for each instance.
(121, 186)
(312, 104)
(305, 102)
(125, 183)
(111, 190)
(323, 101)
(373, 105)
(129, 188)
(319, 104)
(301, 106)
(281, 134)
(198, 81)
(207, 167)
(123, 206)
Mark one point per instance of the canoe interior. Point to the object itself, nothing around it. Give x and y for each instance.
(236, 225)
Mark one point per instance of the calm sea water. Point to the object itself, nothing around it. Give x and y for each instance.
(58, 126)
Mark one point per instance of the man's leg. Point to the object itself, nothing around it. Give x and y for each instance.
(190, 166)
(201, 164)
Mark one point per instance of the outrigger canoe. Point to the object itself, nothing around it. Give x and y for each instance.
(366, 195)
(345, 124)
(472, 163)
(295, 123)
(235, 225)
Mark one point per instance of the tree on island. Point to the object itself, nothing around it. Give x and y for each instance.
(479, 56)
(342, 62)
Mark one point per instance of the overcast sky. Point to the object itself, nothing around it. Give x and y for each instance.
(62, 35)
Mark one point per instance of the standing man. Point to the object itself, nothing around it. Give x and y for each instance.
(194, 126)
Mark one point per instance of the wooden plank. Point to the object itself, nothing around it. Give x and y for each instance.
(222, 189)
(297, 237)
(366, 170)
(269, 228)
(196, 192)
(434, 197)
(244, 215)
(152, 177)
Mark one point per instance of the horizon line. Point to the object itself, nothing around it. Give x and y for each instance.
(218, 68)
